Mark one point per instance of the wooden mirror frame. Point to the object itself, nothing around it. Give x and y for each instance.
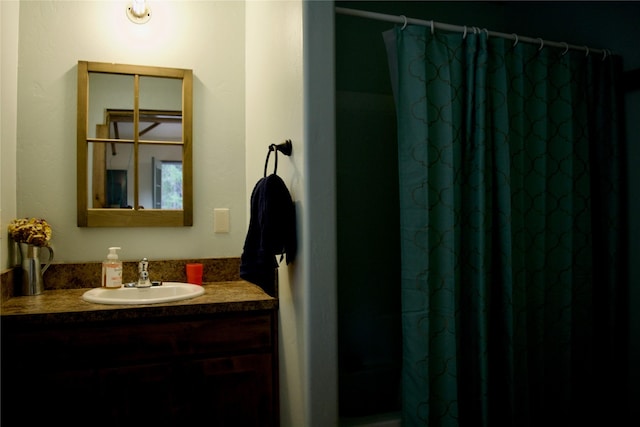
(114, 217)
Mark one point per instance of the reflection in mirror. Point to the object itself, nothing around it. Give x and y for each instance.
(158, 126)
(134, 132)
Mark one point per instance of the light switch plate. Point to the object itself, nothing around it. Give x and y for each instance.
(221, 220)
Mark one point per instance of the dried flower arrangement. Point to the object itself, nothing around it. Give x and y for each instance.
(34, 231)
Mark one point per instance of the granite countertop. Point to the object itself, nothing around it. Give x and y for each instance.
(67, 305)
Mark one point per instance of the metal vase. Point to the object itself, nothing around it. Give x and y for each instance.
(32, 269)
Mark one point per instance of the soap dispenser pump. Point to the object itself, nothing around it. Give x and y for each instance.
(112, 270)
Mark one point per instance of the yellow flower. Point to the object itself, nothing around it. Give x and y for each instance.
(34, 231)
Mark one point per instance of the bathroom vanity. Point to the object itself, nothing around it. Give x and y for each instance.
(210, 360)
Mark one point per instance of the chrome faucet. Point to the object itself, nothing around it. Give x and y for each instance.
(143, 274)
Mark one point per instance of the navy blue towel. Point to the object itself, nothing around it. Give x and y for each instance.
(272, 232)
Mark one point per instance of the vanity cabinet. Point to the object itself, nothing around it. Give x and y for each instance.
(217, 369)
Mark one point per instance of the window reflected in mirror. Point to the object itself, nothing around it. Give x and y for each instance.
(159, 129)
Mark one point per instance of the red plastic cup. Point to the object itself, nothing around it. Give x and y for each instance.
(194, 274)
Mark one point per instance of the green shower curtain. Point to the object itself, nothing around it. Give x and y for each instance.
(512, 203)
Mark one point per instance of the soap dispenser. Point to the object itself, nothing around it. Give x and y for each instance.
(112, 270)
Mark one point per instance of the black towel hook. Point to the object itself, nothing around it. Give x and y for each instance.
(285, 148)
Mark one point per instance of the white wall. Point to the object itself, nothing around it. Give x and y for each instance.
(205, 36)
(9, 13)
(320, 216)
(290, 91)
(274, 113)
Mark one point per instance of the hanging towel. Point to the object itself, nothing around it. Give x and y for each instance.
(272, 232)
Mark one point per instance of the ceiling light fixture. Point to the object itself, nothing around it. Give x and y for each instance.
(139, 12)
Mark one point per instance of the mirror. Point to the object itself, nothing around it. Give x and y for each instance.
(134, 141)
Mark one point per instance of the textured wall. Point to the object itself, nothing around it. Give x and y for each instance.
(207, 37)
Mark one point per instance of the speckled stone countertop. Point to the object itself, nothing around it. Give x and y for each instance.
(62, 300)
(67, 305)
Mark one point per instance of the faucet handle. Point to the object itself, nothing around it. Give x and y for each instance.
(143, 274)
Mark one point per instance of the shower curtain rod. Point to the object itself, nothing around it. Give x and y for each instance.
(401, 19)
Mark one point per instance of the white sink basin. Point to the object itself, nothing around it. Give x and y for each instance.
(167, 292)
